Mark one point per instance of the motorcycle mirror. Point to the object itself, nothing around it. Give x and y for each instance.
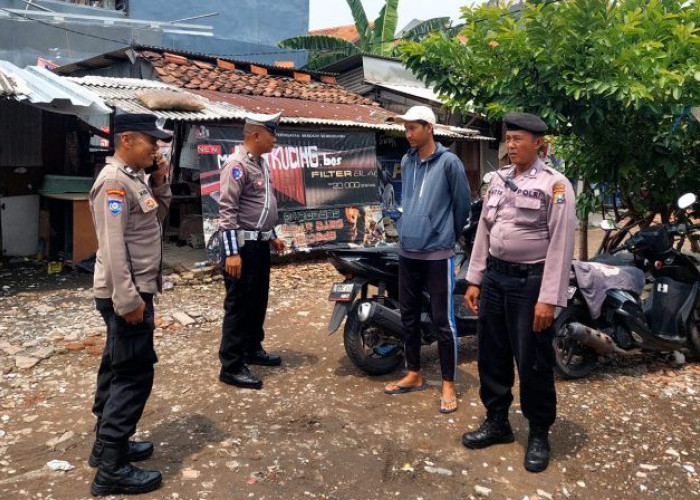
(687, 200)
(608, 225)
(487, 177)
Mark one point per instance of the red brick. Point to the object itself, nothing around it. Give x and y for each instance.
(258, 70)
(225, 64)
(302, 77)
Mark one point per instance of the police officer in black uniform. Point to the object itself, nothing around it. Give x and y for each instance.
(128, 207)
(518, 275)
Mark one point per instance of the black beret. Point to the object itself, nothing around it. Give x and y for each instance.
(525, 121)
(140, 122)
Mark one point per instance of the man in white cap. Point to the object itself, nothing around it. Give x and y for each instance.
(248, 216)
(435, 198)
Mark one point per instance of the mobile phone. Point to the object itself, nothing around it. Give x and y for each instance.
(152, 168)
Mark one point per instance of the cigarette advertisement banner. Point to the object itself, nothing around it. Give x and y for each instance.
(325, 182)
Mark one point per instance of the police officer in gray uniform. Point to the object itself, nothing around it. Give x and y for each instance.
(248, 215)
(518, 275)
(128, 207)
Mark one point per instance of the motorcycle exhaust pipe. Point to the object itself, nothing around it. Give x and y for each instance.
(373, 313)
(600, 342)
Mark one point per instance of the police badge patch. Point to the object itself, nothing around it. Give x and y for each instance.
(558, 197)
(237, 173)
(115, 206)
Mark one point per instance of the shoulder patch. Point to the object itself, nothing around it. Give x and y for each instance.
(115, 206)
(116, 192)
(558, 193)
(236, 172)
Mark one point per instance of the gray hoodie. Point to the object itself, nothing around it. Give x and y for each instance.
(435, 198)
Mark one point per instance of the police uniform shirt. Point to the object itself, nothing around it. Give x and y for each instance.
(533, 225)
(247, 198)
(127, 213)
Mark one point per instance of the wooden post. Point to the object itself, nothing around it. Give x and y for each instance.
(583, 229)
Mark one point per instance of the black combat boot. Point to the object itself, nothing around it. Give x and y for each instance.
(242, 378)
(136, 452)
(115, 475)
(537, 454)
(495, 430)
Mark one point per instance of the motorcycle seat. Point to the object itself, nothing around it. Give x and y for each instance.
(620, 259)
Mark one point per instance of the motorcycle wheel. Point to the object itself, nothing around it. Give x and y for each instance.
(573, 360)
(361, 341)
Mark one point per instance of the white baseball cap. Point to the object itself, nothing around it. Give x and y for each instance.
(415, 114)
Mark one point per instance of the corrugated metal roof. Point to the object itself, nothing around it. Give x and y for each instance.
(297, 111)
(122, 93)
(425, 93)
(41, 88)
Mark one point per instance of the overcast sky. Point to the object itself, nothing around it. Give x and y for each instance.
(330, 13)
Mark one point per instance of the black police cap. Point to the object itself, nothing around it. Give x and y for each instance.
(525, 121)
(141, 122)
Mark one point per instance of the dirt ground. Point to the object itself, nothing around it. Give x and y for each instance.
(320, 428)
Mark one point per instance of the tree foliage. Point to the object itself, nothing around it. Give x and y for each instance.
(378, 38)
(614, 79)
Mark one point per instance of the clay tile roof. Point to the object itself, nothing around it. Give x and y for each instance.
(199, 75)
(348, 32)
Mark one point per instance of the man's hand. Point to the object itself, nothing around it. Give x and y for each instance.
(278, 245)
(136, 316)
(544, 316)
(234, 266)
(161, 175)
(471, 299)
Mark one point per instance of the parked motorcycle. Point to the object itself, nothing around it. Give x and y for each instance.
(369, 299)
(606, 315)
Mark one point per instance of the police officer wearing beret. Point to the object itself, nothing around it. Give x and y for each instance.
(517, 276)
(128, 206)
(248, 215)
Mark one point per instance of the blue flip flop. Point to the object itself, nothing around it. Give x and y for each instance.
(403, 389)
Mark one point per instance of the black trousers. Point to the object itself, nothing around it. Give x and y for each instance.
(245, 306)
(506, 316)
(125, 377)
(437, 277)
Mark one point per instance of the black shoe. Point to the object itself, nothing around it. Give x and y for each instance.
(537, 454)
(243, 378)
(263, 358)
(137, 452)
(495, 430)
(115, 475)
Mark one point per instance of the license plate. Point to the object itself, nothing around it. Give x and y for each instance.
(341, 292)
(571, 292)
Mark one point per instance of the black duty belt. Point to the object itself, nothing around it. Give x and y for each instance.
(513, 268)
